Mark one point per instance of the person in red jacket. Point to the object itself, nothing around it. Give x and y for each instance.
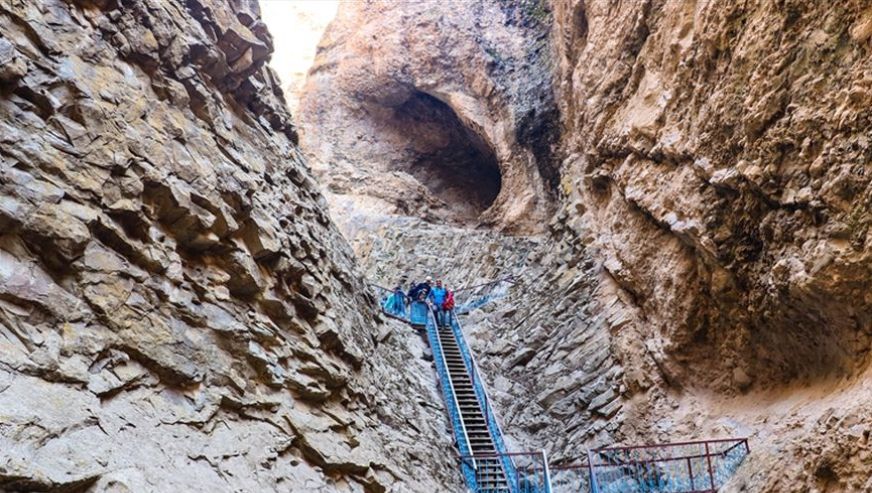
(448, 307)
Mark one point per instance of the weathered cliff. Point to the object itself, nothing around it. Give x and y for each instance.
(719, 151)
(731, 141)
(177, 312)
(707, 269)
(424, 123)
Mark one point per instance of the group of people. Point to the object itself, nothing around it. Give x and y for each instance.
(422, 297)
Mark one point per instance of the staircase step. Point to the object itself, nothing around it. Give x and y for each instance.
(470, 403)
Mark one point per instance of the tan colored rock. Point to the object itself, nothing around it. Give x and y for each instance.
(388, 118)
(709, 251)
(171, 288)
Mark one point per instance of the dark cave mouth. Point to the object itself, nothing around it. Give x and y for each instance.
(456, 165)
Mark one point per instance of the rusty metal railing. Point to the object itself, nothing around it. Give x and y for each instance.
(682, 467)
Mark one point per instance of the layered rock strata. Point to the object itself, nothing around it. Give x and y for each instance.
(177, 312)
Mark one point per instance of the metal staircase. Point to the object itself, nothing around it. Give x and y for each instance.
(484, 458)
(488, 467)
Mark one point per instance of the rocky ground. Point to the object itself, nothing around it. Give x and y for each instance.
(699, 259)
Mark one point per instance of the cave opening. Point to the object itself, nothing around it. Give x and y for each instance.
(457, 166)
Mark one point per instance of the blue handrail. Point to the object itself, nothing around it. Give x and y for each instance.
(416, 312)
(493, 425)
(450, 397)
(668, 468)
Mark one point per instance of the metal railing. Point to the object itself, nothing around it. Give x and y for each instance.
(481, 294)
(388, 300)
(392, 304)
(450, 396)
(479, 387)
(473, 296)
(531, 472)
(684, 467)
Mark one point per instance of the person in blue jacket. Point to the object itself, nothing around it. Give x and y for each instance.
(396, 302)
(424, 287)
(418, 312)
(437, 298)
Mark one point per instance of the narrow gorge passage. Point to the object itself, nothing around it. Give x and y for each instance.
(196, 195)
(690, 242)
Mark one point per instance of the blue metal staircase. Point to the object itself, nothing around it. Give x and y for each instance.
(478, 436)
(488, 467)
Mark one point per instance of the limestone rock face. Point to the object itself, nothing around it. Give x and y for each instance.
(177, 312)
(707, 269)
(389, 114)
(720, 151)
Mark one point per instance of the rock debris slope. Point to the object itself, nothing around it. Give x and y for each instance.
(706, 268)
(177, 312)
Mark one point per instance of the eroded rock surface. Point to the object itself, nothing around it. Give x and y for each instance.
(723, 165)
(177, 312)
(707, 272)
(454, 129)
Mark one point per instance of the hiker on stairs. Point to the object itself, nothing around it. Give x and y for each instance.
(437, 298)
(396, 302)
(419, 312)
(448, 307)
(424, 287)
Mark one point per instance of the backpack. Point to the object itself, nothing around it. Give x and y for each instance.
(448, 304)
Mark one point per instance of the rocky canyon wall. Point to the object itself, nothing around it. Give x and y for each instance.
(698, 184)
(421, 109)
(177, 311)
(720, 153)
